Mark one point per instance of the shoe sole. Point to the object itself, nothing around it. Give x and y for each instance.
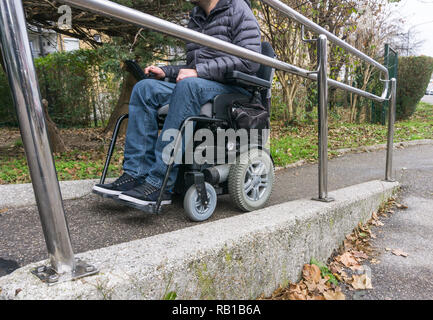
(141, 202)
(150, 209)
(105, 192)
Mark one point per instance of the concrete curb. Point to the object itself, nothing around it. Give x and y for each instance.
(235, 258)
(21, 195)
(397, 145)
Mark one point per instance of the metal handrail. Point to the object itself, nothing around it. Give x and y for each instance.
(278, 5)
(141, 19)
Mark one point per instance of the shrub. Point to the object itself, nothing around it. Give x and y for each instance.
(79, 86)
(7, 112)
(413, 78)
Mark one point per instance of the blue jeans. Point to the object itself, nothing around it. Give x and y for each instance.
(143, 147)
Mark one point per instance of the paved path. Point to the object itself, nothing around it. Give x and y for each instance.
(410, 230)
(95, 222)
(428, 99)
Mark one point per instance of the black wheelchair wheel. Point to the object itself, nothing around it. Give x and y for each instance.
(251, 180)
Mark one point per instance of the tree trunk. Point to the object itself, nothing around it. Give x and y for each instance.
(56, 141)
(122, 104)
(2, 62)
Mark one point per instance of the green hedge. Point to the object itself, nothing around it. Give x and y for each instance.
(414, 75)
(78, 85)
(7, 112)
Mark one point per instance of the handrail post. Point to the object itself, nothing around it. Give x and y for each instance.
(23, 82)
(322, 82)
(391, 121)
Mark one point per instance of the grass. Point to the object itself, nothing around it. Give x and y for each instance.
(288, 145)
(291, 144)
(74, 165)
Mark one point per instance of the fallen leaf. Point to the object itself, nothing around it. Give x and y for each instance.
(322, 285)
(335, 268)
(398, 252)
(359, 254)
(297, 296)
(348, 244)
(361, 282)
(312, 273)
(347, 259)
(334, 295)
(377, 223)
(296, 293)
(311, 286)
(355, 267)
(401, 206)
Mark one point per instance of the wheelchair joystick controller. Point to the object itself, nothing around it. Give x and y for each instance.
(138, 73)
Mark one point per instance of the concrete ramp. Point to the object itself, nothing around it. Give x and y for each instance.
(235, 258)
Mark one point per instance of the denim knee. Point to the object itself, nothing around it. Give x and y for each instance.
(143, 92)
(188, 84)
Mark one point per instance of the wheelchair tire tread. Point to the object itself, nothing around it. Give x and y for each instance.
(235, 182)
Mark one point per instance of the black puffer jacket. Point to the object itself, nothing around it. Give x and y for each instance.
(231, 21)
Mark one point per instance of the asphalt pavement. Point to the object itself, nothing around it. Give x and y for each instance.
(95, 222)
(428, 99)
(410, 231)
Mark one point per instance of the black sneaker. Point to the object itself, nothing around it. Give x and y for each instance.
(144, 195)
(112, 190)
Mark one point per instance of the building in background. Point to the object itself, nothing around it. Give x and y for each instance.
(43, 42)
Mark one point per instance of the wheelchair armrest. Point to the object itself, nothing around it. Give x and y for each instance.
(245, 80)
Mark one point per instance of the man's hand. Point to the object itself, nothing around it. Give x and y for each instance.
(159, 74)
(186, 73)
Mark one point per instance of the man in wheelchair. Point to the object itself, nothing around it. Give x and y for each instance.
(188, 89)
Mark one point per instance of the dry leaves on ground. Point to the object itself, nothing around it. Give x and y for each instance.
(401, 206)
(361, 282)
(312, 287)
(355, 250)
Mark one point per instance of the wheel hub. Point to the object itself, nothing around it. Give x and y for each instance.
(256, 181)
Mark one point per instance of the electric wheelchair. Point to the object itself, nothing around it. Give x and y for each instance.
(248, 180)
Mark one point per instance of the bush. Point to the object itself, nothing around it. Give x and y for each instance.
(414, 74)
(81, 86)
(77, 86)
(7, 111)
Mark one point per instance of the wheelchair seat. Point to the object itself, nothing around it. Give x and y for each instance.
(218, 107)
(206, 110)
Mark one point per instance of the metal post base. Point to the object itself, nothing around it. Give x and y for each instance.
(48, 275)
(327, 199)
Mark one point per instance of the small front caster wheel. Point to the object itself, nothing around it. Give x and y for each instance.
(194, 209)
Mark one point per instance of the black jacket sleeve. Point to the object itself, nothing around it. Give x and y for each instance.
(171, 72)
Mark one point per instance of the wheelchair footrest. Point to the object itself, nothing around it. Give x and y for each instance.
(150, 209)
